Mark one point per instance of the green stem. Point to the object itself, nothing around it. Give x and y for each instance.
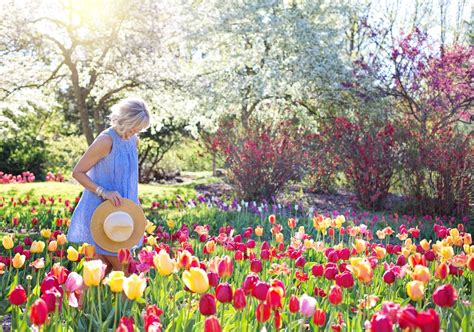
(117, 295)
(100, 304)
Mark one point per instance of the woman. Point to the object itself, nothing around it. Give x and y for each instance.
(109, 170)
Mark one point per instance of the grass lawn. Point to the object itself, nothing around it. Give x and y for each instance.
(70, 190)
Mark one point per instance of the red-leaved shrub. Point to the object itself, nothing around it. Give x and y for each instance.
(261, 159)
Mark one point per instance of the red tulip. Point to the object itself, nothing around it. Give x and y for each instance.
(335, 295)
(294, 304)
(380, 323)
(239, 299)
(50, 297)
(319, 317)
(260, 290)
(38, 312)
(225, 267)
(318, 270)
(344, 254)
(389, 277)
(407, 317)
(211, 324)
(345, 280)
(213, 278)
(275, 296)
(207, 305)
(442, 271)
(330, 272)
(277, 322)
(445, 296)
(263, 312)
(224, 293)
(124, 256)
(470, 262)
(401, 260)
(300, 261)
(48, 283)
(256, 265)
(17, 296)
(125, 324)
(428, 321)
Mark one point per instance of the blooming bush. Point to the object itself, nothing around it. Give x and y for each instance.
(368, 155)
(262, 159)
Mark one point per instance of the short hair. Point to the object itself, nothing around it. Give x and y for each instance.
(129, 113)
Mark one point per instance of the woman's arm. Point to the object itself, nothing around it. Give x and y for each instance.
(99, 149)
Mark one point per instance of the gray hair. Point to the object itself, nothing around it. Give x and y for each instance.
(129, 113)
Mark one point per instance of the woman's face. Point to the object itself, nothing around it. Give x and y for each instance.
(129, 133)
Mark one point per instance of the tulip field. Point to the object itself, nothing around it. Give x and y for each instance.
(212, 265)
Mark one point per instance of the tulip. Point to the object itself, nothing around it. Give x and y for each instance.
(319, 317)
(87, 250)
(359, 245)
(407, 317)
(260, 290)
(421, 273)
(72, 254)
(52, 246)
(442, 271)
(335, 295)
(389, 277)
(38, 312)
(37, 247)
(73, 282)
(259, 231)
(18, 260)
(210, 247)
(445, 296)
(470, 262)
(150, 227)
(115, 281)
(307, 305)
(211, 324)
(17, 296)
(256, 266)
(239, 299)
(345, 280)
(50, 297)
(225, 267)
(163, 263)
(294, 304)
(124, 256)
(415, 290)
(380, 323)
(134, 286)
(272, 219)
(7, 242)
(275, 295)
(196, 280)
(224, 293)
(126, 325)
(46, 233)
(362, 269)
(318, 270)
(61, 239)
(263, 312)
(428, 321)
(207, 304)
(93, 272)
(213, 278)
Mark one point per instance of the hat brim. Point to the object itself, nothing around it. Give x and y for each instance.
(97, 225)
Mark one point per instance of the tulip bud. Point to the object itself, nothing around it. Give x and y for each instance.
(17, 296)
(239, 299)
(319, 317)
(256, 266)
(335, 295)
(389, 277)
(224, 293)
(207, 305)
(294, 304)
(445, 296)
(38, 312)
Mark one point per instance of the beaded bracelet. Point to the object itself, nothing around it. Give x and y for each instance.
(100, 191)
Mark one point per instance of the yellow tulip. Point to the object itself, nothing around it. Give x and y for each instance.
(87, 250)
(361, 268)
(37, 247)
(115, 281)
(425, 244)
(7, 242)
(62, 239)
(421, 273)
(196, 280)
(446, 253)
(279, 237)
(151, 240)
(72, 254)
(359, 245)
(170, 223)
(52, 246)
(380, 252)
(93, 272)
(18, 260)
(259, 231)
(46, 233)
(340, 220)
(134, 286)
(150, 227)
(415, 290)
(163, 263)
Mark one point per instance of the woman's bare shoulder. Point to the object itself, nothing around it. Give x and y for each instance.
(102, 144)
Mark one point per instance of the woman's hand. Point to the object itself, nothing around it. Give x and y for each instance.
(114, 197)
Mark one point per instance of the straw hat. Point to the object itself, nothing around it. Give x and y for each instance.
(114, 228)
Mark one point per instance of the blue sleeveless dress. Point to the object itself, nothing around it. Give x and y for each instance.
(118, 171)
